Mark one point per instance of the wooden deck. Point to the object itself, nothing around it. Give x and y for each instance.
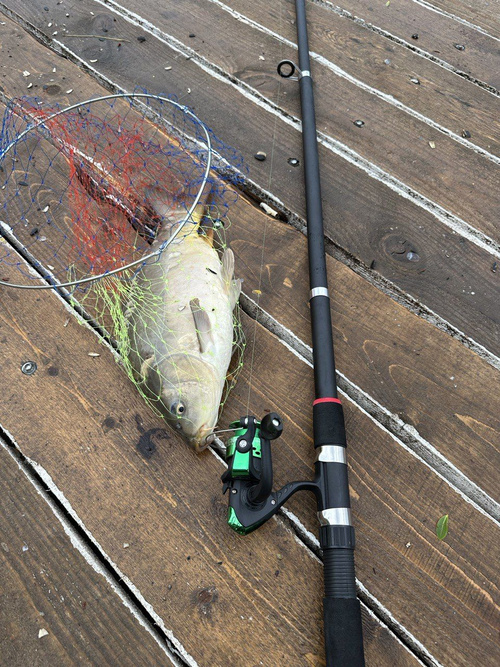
(113, 534)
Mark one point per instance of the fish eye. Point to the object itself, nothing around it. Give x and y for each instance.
(178, 408)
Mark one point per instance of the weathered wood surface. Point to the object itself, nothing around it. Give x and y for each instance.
(396, 142)
(452, 275)
(177, 527)
(484, 14)
(437, 35)
(429, 381)
(453, 102)
(276, 385)
(207, 584)
(444, 594)
(46, 584)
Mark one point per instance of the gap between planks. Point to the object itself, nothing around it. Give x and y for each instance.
(454, 17)
(93, 554)
(402, 42)
(247, 185)
(83, 540)
(453, 222)
(338, 71)
(405, 435)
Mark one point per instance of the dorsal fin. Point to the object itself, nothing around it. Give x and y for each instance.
(202, 326)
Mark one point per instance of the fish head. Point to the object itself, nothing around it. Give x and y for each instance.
(190, 397)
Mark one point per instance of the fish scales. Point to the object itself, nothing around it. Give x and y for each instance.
(181, 341)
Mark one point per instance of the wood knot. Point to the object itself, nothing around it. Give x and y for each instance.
(52, 89)
(401, 249)
(204, 599)
(108, 424)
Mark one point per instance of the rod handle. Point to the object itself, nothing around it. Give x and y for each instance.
(341, 611)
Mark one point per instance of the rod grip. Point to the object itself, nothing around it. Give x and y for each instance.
(341, 611)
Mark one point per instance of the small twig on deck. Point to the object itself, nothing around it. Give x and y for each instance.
(111, 39)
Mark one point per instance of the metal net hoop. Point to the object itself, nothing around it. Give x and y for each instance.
(204, 155)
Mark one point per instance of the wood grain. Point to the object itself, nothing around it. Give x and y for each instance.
(482, 13)
(431, 382)
(415, 371)
(438, 35)
(130, 480)
(396, 499)
(47, 584)
(452, 276)
(454, 102)
(450, 174)
(175, 523)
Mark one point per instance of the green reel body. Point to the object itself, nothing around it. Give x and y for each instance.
(249, 477)
(241, 461)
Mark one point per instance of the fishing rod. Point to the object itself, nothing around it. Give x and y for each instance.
(249, 477)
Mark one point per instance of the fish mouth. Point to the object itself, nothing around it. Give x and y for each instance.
(203, 439)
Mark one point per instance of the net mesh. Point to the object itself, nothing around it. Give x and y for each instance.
(91, 189)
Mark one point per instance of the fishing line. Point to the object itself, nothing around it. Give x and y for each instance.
(249, 475)
(46, 123)
(122, 201)
(258, 292)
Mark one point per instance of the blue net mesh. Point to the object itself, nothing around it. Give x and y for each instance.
(87, 191)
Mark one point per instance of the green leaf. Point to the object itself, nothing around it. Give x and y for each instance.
(442, 527)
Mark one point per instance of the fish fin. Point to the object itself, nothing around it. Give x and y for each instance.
(228, 268)
(171, 212)
(234, 292)
(233, 286)
(202, 325)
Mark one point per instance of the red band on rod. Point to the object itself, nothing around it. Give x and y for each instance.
(327, 400)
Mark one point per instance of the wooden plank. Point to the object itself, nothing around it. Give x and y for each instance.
(453, 277)
(453, 102)
(438, 36)
(395, 500)
(137, 483)
(422, 581)
(47, 584)
(396, 142)
(144, 496)
(482, 13)
(416, 372)
(402, 362)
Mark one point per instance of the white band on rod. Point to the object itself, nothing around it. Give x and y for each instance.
(319, 291)
(335, 516)
(331, 454)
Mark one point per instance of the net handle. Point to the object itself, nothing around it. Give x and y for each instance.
(162, 247)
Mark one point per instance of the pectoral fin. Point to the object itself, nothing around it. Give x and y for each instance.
(233, 286)
(202, 326)
(227, 268)
(150, 378)
(234, 292)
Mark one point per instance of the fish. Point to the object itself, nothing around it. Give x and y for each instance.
(99, 185)
(180, 322)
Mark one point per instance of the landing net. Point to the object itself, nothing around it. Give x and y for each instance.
(98, 198)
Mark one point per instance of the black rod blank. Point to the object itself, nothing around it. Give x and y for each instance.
(341, 608)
